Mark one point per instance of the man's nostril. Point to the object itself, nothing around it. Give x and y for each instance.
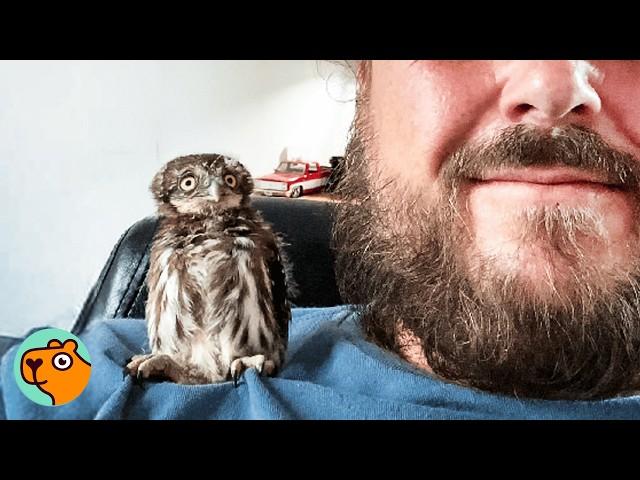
(523, 108)
(579, 109)
(34, 364)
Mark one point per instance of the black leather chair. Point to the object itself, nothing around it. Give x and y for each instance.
(120, 291)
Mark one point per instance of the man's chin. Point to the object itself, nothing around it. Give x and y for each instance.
(534, 270)
(540, 274)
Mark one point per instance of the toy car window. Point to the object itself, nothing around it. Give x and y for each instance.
(313, 167)
(290, 167)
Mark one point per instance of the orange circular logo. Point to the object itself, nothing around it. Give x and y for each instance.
(52, 367)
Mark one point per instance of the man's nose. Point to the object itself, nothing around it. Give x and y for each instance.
(548, 92)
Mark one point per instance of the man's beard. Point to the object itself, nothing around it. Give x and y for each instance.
(409, 267)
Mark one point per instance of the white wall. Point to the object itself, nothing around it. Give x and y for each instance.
(81, 140)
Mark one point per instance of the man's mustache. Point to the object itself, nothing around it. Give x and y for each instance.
(525, 146)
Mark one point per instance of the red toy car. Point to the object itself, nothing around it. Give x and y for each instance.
(293, 178)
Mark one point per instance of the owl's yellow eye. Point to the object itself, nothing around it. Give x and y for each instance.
(230, 180)
(188, 183)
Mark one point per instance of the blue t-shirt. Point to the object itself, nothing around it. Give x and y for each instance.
(331, 373)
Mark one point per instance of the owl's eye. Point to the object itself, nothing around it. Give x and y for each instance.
(62, 361)
(230, 180)
(188, 183)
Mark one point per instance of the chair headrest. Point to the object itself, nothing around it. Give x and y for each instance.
(305, 225)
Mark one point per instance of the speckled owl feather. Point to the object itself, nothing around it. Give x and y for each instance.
(219, 283)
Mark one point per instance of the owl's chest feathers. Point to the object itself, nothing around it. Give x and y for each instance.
(209, 292)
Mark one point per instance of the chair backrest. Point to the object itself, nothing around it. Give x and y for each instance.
(120, 290)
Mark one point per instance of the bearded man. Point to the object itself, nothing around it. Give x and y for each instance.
(487, 253)
(490, 230)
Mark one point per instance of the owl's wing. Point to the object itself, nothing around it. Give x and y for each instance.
(281, 305)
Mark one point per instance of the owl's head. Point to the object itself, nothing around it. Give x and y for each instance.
(203, 185)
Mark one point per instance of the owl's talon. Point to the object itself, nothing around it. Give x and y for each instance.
(126, 370)
(139, 380)
(240, 365)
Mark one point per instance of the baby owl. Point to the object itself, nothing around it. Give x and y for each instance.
(218, 299)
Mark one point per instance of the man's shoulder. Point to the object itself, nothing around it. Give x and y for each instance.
(317, 330)
(308, 320)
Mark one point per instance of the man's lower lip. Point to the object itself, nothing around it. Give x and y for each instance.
(544, 190)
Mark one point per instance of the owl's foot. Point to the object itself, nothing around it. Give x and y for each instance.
(263, 365)
(144, 367)
(131, 368)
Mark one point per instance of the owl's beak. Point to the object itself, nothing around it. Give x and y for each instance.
(214, 191)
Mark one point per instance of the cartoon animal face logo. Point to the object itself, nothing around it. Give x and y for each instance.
(57, 370)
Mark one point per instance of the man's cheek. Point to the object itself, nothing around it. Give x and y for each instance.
(412, 137)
